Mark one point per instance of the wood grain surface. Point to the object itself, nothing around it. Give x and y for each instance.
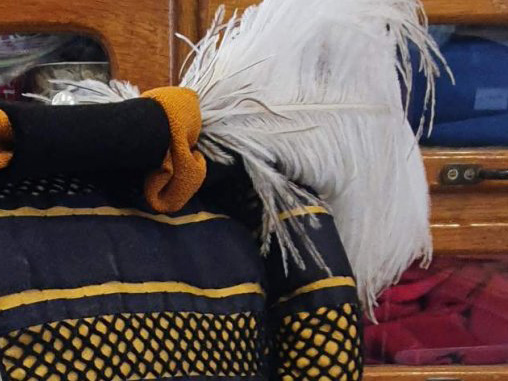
(439, 11)
(186, 20)
(471, 219)
(134, 32)
(467, 11)
(437, 373)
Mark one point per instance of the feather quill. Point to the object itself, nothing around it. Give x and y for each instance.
(309, 92)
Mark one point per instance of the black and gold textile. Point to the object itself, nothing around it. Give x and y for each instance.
(96, 285)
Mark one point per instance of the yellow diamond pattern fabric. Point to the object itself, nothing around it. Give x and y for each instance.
(324, 345)
(135, 346)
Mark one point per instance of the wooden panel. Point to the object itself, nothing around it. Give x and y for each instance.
(134, 32)
(439, 11)
(442, 373)
(208, 7)
(467, 11)
(211, 5)
(192, 18)
(470, 240)
(473, 219)
(436, 158)
(187, 21)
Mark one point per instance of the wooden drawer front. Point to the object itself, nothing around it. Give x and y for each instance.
(469, 219)
(477, 373)
(439, 11)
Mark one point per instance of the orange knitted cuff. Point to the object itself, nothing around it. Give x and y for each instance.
(6, 140)
(183, 171)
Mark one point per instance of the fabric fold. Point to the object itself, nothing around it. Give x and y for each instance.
(6, 140)
(183, 170)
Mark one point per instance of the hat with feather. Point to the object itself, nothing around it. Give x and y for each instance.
(306, 95)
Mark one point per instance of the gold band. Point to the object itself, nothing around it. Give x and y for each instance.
(183, 171)
(107, 211)
(304, 211)
(338, 281)
(37, 296)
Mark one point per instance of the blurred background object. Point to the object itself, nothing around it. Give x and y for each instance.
(454, 313)
(29, 61)
(39, 79)
(474, 112)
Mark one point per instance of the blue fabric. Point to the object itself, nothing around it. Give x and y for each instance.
(476, 132)
(475, 111)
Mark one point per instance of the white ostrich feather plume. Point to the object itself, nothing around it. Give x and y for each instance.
(308, 92)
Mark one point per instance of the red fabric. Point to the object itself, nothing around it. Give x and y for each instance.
(418, 357)
(478, 355)
(440, 331)
(454, 294)
(421, 331)
(486, 355)
(413, 291)
(456, 312)
(414, 274)
(392, 311)
(384, 341)
(489, 315)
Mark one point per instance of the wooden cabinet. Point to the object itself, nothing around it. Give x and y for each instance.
(469, 220)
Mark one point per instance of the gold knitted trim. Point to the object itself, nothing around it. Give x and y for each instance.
(183, 170)
(30, 297)
(304, 211)
(335, 282)
(6, 140)
(108, 211)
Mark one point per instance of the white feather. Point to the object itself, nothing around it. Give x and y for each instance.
(308, 92)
